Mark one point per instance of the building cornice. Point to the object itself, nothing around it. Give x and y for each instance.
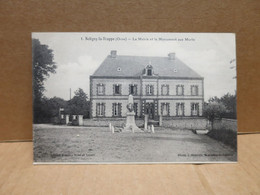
(146, 77)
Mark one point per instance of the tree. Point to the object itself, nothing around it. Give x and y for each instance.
(43, 65)
(214, 110)
(230, 102)
(214, 99)
(79, 104)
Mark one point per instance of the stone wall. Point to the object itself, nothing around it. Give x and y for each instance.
(227, 124)
(104, 122)
(178, 123)
(185, 123)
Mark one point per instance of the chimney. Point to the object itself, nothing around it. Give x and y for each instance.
(113, 53)
(171, 56)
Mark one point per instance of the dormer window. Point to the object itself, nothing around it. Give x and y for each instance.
(149, 70)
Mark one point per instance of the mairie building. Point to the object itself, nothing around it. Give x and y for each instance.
(160, 86)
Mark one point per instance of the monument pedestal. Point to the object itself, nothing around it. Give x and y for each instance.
(130, 123)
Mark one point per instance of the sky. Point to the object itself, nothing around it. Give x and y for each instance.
(78, 55)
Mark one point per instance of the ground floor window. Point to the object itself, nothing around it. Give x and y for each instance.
(165, 109)
(180, 109)
(117, 109)
(100, 109)
(194, 109)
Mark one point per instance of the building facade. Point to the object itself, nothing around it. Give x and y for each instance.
(160, 86)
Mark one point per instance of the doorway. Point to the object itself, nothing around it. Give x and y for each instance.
(149, 109)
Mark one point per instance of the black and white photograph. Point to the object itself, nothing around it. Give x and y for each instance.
(134, 98)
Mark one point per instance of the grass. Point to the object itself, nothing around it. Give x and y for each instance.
(225, 136)
(99, 145)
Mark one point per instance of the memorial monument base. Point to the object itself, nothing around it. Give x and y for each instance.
(130, 123)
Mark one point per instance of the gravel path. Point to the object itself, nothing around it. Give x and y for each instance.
(97, 144)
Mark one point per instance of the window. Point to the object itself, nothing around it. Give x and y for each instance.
(149, 90)
(180, 90)
(194, 109)
(149, 72)
(117, 89)
(133, 89)
(165, 89)
(165, 109)
(116, 109)
(100, 109)
(194, 90)
(62, 116)
(180, 109)
(100, 89)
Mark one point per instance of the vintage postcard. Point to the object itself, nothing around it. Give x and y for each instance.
(119, 98)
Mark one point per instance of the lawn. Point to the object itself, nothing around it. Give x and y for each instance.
(99, 145)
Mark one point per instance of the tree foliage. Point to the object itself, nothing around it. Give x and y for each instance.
(79, 104)
(43, 65)
(214, 110)
(229, 101)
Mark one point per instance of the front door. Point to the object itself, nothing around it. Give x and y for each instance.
(149, 109)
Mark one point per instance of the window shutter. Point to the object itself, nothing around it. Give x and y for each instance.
(103, 109)
(104, 89)
(129, 89)
(152, 91)
(135, 108)
(114, 89)
(96, 109)
(119, 109)
(120, 89)
(113, 109)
